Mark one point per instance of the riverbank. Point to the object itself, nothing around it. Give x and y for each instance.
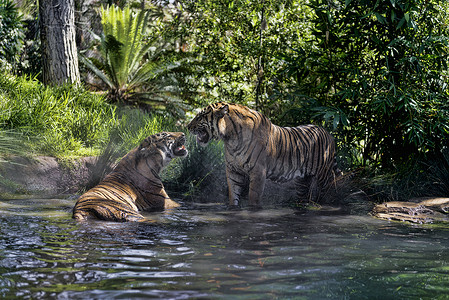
(49, 176)
(44, 175)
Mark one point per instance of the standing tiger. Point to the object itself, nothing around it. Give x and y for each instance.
(134, 184)
(256, 149)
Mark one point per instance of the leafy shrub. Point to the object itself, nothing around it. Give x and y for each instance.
(11, 34)
(200, 174)
(378, 76)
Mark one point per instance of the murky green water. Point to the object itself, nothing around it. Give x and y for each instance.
(209, 253)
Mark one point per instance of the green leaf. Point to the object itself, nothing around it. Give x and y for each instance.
(401, 23)
(380, 18)
(407, 16)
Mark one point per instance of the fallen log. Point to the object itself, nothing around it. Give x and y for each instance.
(420, 210)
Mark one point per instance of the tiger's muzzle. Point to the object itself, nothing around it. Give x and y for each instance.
(202, 136)
(179, 148)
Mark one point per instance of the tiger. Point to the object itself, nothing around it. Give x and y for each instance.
(134, 184)
(256, 149)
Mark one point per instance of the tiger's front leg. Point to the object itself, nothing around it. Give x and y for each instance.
(256, 187)
(236, 184)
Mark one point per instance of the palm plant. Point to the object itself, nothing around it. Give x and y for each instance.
(131, 64)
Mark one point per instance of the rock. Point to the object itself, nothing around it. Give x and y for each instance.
(418, 210)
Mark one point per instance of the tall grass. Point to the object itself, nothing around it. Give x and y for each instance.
(68, 120)
(63, 119)
(10, 143)
(133, 125)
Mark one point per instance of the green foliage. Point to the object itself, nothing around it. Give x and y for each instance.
(63, 119)
(131, 63)
(374, 73)
(378, 73)
(11, 34)
(68, 120)
(238, 43)
(200, 174)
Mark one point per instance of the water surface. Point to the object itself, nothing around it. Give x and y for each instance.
(206, 252)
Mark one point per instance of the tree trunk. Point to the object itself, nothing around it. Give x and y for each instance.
(59, 52)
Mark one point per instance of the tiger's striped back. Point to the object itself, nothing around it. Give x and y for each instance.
(300, 151)
(110, 201)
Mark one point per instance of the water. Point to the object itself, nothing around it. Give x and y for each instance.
(206, 252)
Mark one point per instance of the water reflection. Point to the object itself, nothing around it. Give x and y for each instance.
(208, 252)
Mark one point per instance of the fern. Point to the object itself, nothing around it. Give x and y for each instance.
(130, 65)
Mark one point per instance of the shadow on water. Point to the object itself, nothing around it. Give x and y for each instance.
(205, 252)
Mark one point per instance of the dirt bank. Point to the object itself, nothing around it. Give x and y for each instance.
(43, 175)
(50, 176)
(46, 175)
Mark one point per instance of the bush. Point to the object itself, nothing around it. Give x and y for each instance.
(11, 34)
(200, 174)
(378, 75)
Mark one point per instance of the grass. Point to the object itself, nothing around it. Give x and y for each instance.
(63, 120)
(67, 121)
(10, 143)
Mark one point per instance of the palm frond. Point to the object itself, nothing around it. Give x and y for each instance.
(88, 62)
(160, 100)
(133, 63)
(114, 56)
(149, 71)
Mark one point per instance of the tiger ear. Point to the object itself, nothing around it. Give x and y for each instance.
(222, 111)
(145, 143)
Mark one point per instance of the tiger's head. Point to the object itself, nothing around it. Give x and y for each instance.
(167, 144)
(205, 124)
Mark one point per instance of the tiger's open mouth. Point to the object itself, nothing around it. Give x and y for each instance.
(202, 136)
(179, 149)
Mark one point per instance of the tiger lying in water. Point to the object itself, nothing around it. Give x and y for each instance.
(256, 149)
(134, 184)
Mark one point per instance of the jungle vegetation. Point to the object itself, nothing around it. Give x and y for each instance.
(374, 73)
